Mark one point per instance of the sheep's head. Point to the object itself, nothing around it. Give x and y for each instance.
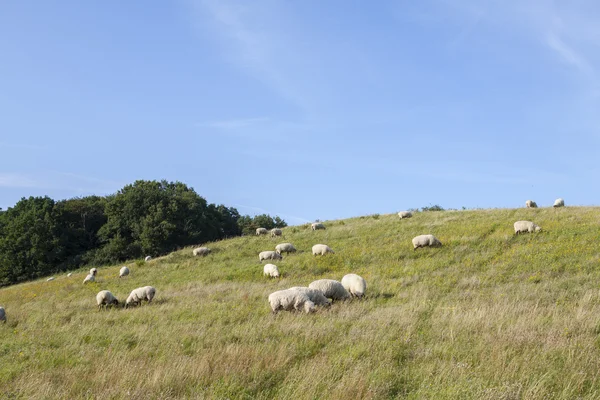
(538, 229)
(309, 307)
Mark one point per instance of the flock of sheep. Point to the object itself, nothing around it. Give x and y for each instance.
(318, 293)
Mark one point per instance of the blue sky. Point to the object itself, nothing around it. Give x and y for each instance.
(304, 109)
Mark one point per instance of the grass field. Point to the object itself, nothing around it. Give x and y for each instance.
(490, 315)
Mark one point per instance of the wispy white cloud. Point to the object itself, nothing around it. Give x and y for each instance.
(17, 180)
(249, 36)
(569, 55)
(234, 123)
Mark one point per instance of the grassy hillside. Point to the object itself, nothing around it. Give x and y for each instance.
(488, 316)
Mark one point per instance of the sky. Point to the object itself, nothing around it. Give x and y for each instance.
(304, 109)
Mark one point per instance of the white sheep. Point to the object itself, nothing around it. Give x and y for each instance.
(559, 203)
(526, 226)
(261, 231)
(50, 279)
(148, 258)
(106, 298)
(404, 214)
(354, 284)
(330, 288)
(530, 204)
(271, 270)
(317, 225)
(285, 248)
(315, 295)
(269, 255)
(69, 274)
(276, 232)
(137, 295)
(89, 278)
(94, 271)
(321, 249)
(124, 271)
(290, 299)
(2, 314)
(201, 251)
(425, 240)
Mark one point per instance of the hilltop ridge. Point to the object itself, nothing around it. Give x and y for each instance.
(488, 315)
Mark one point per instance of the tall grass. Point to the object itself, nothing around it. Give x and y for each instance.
(489, 315)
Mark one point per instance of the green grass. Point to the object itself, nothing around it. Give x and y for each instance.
(489, 315)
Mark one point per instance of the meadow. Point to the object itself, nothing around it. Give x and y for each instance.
(489, 315)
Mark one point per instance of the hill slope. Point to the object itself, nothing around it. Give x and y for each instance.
(489, 315)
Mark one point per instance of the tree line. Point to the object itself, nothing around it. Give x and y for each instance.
(41, 236)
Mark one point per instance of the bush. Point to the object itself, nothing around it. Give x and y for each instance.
(435, 207)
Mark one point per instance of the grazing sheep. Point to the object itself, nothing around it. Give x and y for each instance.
(261, 231)
(425, 240)
(94, 271)
(69, 274)
(148, 258)
(105, 298)
(50, 279)
(201, 251)
(276, 232)
(316, 296)
(290, 299)
(285, 248)
(526, 226)
(330, 288)
(321, 249)
(317, 225)
(137, 295)
(89, 278)
(124, 271)
(2, 314)
(271, 270)
(354, 284)
(559, 203)
(404, 214)
(530, 204)
(269, 255)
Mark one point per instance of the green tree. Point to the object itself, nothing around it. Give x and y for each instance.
(249, 224)
(153, 218)
(30, 240)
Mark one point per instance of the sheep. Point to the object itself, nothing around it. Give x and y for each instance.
(317, 225)
(148, 258)
(124, 271)
(69, 274)
(330, 288)
(2, 315)
(50, 279)
(425, 240)
(559, 203)
(354, 284)
(89, 278)
(285, 248)
(105, 298)
(137, 295)
(315, 295)
(290, 299)
(321, 249)
(269, 255)
(276, 232)
(526, 226)
(271, 270)
(404, 214)
(261, 231)
(94, 271)
(530, 204)
(201, 251)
